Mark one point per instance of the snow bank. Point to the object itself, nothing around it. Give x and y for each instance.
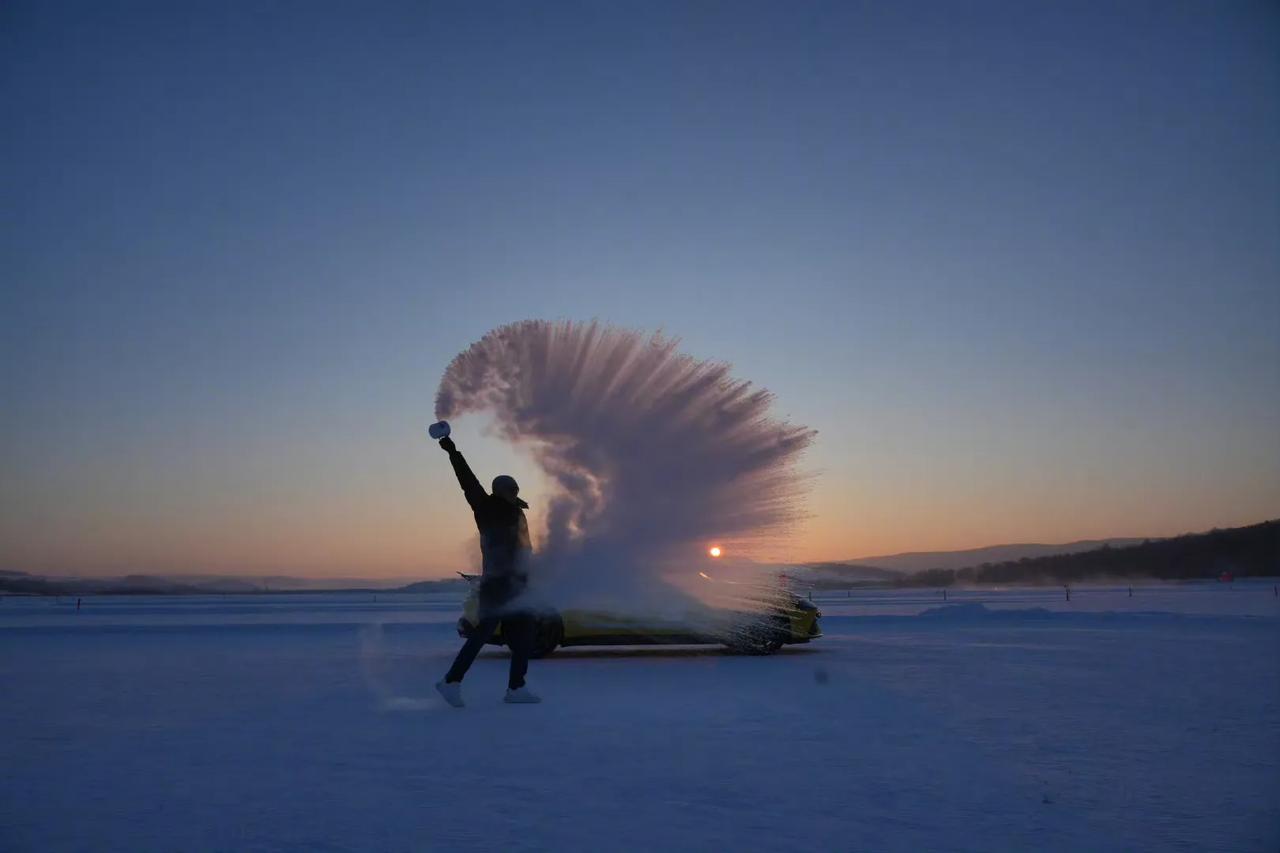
(315, 727)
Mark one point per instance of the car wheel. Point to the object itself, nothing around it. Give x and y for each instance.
(548, 634)
(762, 639)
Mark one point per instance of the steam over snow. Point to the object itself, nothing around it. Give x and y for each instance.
(651, 454)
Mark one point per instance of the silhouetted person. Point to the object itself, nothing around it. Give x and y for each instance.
(505, 547)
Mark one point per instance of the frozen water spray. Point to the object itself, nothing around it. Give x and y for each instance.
(650, 454)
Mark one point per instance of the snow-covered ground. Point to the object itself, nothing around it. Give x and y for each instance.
(1007, 720)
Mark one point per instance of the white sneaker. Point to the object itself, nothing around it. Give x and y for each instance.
(452, 693)
(521, 696)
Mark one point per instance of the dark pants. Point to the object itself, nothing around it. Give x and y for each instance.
(517, 630)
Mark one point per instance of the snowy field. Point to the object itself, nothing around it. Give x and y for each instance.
(998, 720)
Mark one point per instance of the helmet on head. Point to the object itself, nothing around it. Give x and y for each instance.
(506, 487)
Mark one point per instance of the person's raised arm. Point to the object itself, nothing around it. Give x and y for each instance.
(471, 487)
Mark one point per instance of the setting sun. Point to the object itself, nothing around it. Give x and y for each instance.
(714, 550)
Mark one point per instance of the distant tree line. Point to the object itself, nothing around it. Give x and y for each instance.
(17, 583)
(22, 583)
(1251, 551)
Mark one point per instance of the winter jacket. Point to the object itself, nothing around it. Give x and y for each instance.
(504, 534)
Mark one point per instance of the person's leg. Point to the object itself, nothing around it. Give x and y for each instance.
(471, 648)
(517, 630)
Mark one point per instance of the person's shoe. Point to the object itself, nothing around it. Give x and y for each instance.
(452, 692)
(521, 696)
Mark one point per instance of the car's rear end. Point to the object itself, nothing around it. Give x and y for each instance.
(470, 617)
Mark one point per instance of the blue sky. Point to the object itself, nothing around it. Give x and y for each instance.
(1018, 263)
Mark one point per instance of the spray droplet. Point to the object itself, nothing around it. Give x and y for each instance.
(647, 453)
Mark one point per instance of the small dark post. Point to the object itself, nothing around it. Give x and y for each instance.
(944, 595)
(77, 605)
(1068, 589)
(811, 595)
(1131, 592)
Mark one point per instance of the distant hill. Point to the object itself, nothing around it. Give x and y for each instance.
(22, 583)
(915, 561)
(1244, 551)
(1252, 551)
(841, 575)
(278, 583)
(446, 585)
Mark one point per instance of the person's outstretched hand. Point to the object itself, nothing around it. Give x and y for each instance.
(447, 444)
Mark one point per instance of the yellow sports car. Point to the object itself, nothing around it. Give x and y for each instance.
(787, 619)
